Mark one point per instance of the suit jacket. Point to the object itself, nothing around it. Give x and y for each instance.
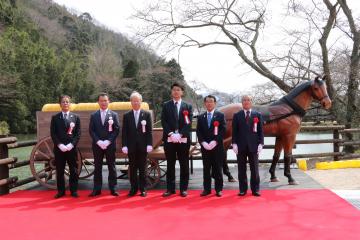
(101, 132)
(59, 129)
(243, 134)
(132, 136)
(204, 133)
(169, 123)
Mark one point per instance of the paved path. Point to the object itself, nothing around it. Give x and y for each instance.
(343, 182)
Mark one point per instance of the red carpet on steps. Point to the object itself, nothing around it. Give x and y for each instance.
(277, 214)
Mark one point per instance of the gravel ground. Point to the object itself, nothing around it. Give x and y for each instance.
(337, 179)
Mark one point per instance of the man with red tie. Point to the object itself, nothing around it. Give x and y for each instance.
(176, 117)
(247, 143)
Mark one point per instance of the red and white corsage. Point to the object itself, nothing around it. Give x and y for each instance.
(216, 127)
(71, 128)
(186, 116)
(110, 122)
(143, 124)
(256, 120)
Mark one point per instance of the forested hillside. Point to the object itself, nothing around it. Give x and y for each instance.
(46, 51)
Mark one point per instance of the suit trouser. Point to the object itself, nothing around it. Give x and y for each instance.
(109, 154)
(180, 151)
(61, 158)
(254, 169)
(212, 164)
(137, 161)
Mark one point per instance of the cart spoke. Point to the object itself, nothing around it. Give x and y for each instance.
(42, 153)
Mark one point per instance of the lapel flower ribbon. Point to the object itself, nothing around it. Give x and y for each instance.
(70, 129)
(216, 127)
(143, 124)
(256, 120)
(186, 116)
(111, 122)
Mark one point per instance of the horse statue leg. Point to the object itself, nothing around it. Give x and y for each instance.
(289, 142)
(276, 157)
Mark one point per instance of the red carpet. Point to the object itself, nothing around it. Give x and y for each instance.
(278, 214)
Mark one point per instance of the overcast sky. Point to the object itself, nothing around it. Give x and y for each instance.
(217, 67)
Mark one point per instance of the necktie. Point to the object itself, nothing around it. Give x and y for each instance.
(209, 119)
(176, 111)
(65, 118)
(103, 117)
(247, 117)
(136, 118)
(176, 116)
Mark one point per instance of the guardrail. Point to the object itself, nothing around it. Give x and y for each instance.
(8, 163)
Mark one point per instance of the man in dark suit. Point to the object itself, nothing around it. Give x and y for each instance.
(247, 142)
(65, 133)
(176, 117)
(137, 142)
(210, 130)
(104, 128)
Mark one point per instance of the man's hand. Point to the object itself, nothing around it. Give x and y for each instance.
(175, 137)
(62, 147)
(101, 144)
(205, 145)
(212, 144)
(69, 146)
(235, 148)
(260, 148)
(125, 150)
(149, 148)
(106, 143)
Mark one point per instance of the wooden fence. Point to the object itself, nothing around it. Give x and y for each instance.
(8, 163)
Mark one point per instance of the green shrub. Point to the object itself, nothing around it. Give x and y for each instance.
(4, 128)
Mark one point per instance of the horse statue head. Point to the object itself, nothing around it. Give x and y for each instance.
(319, 92)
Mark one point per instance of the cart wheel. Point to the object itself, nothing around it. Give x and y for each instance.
(153, 173)
(42, 163)
(88, 167)
(162, 166)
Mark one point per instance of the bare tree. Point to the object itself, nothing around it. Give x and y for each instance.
(330, 31)
(233, 23)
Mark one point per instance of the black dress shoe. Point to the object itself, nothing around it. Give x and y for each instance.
(143, 194)
(256, 194)
(95, 193)
(74, 194)
(205, 193)
(131, 193)
(219, 194)
(114, 193)
(242, 193)
(59, 195)
(183, 193)
(168, 193)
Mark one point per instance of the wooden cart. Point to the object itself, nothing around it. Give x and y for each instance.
(42, 157)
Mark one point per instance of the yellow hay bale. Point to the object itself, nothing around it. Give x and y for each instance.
(338, 164)
(302, 164)
(126, 106)
(86, 107)
(54, 107)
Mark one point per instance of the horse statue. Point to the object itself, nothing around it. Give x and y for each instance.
(282, 120)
